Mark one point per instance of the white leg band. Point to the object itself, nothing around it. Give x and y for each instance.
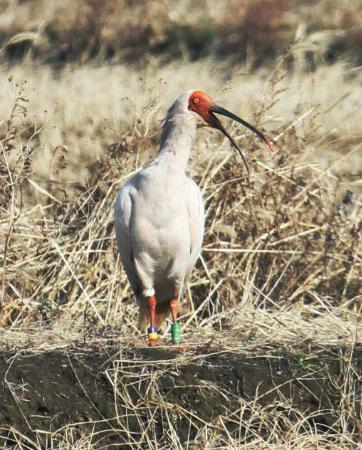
(148, 292)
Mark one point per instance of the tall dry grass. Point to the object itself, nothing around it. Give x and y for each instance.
(282, 255)
(290, 237)
(243, 31)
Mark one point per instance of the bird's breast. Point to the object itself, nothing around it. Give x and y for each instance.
(160, 221)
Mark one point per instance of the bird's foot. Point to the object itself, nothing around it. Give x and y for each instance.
(153, 342)
(180, 347)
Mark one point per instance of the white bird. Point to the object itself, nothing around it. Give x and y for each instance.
(159, 215)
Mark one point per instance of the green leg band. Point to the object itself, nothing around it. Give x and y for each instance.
(176, 333)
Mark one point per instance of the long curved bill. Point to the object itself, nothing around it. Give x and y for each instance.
(215, 123)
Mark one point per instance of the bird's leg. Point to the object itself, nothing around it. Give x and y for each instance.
(174, 308)
(175, 327)
(153, 338)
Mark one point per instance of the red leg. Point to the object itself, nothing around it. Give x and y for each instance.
(152, 305)
(174, 308)
(153, 338)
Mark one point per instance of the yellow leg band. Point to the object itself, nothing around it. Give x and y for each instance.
(153, 336)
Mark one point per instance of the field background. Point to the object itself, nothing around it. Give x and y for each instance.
(84, 86)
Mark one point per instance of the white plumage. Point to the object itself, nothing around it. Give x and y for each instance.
(159, 213)
(159, 216)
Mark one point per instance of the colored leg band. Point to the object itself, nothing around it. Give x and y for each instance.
(176, 333)
(152, 333)
(153, 336)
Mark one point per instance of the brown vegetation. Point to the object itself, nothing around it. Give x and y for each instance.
(248, 31)
(290, 235)
(220, 395)
(282, 256)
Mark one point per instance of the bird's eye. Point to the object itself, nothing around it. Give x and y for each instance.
(196, 100)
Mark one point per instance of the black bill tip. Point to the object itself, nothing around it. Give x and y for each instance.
(219, 110)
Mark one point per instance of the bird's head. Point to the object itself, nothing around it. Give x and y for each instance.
(201, 103)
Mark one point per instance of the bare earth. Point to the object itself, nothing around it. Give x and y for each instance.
(113, 388)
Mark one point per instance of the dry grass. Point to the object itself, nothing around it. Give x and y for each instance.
(153, 407)
(282, 256)
(290, 236)
(244, 31)
(282, 253)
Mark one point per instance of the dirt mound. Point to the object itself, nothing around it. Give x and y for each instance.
(129, 397)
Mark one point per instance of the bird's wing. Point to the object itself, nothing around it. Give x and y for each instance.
(196, 214)
(122, 219)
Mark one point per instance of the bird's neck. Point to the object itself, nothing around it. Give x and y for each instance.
(176, 141)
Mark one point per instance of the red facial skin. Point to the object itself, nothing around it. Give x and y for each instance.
(200, 103)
